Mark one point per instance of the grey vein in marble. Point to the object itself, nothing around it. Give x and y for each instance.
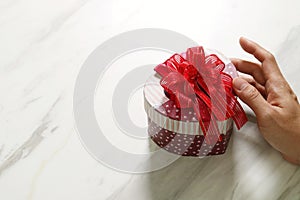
(28, 146)
(56, 24)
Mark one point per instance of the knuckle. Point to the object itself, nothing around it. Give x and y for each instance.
(294, 97)
(251, 92)
(278, 86)
(270, 56)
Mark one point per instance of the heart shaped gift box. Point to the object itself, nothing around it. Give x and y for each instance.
(190, 103)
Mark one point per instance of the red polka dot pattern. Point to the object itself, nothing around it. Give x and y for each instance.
(182, 114)
(186, 144)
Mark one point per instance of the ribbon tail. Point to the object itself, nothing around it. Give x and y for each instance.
(209, 128)
(240, 117)
(213, 132)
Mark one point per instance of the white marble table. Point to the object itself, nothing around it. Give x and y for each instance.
(43, 45)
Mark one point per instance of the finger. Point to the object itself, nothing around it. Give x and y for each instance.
(291, 160)
(251, 68)
(269, 65)
(259, 87)
(251, 96)
(253, 48)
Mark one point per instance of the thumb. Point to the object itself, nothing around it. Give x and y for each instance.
(250, 96)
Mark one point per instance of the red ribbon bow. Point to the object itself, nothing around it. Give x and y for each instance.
(199, 82)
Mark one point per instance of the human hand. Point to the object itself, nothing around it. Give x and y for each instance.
(271, 98)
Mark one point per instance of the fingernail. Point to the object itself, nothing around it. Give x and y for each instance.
(239, 83)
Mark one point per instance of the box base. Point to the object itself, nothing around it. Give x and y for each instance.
(187, 144)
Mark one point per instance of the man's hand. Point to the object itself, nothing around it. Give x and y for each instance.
(271, 98)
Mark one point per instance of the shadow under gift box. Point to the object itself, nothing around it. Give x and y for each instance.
(177, 130)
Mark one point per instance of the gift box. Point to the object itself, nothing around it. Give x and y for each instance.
(190, 103)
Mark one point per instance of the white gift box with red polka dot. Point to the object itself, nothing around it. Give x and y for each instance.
(177, 130)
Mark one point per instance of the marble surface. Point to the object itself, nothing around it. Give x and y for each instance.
(43, 46)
